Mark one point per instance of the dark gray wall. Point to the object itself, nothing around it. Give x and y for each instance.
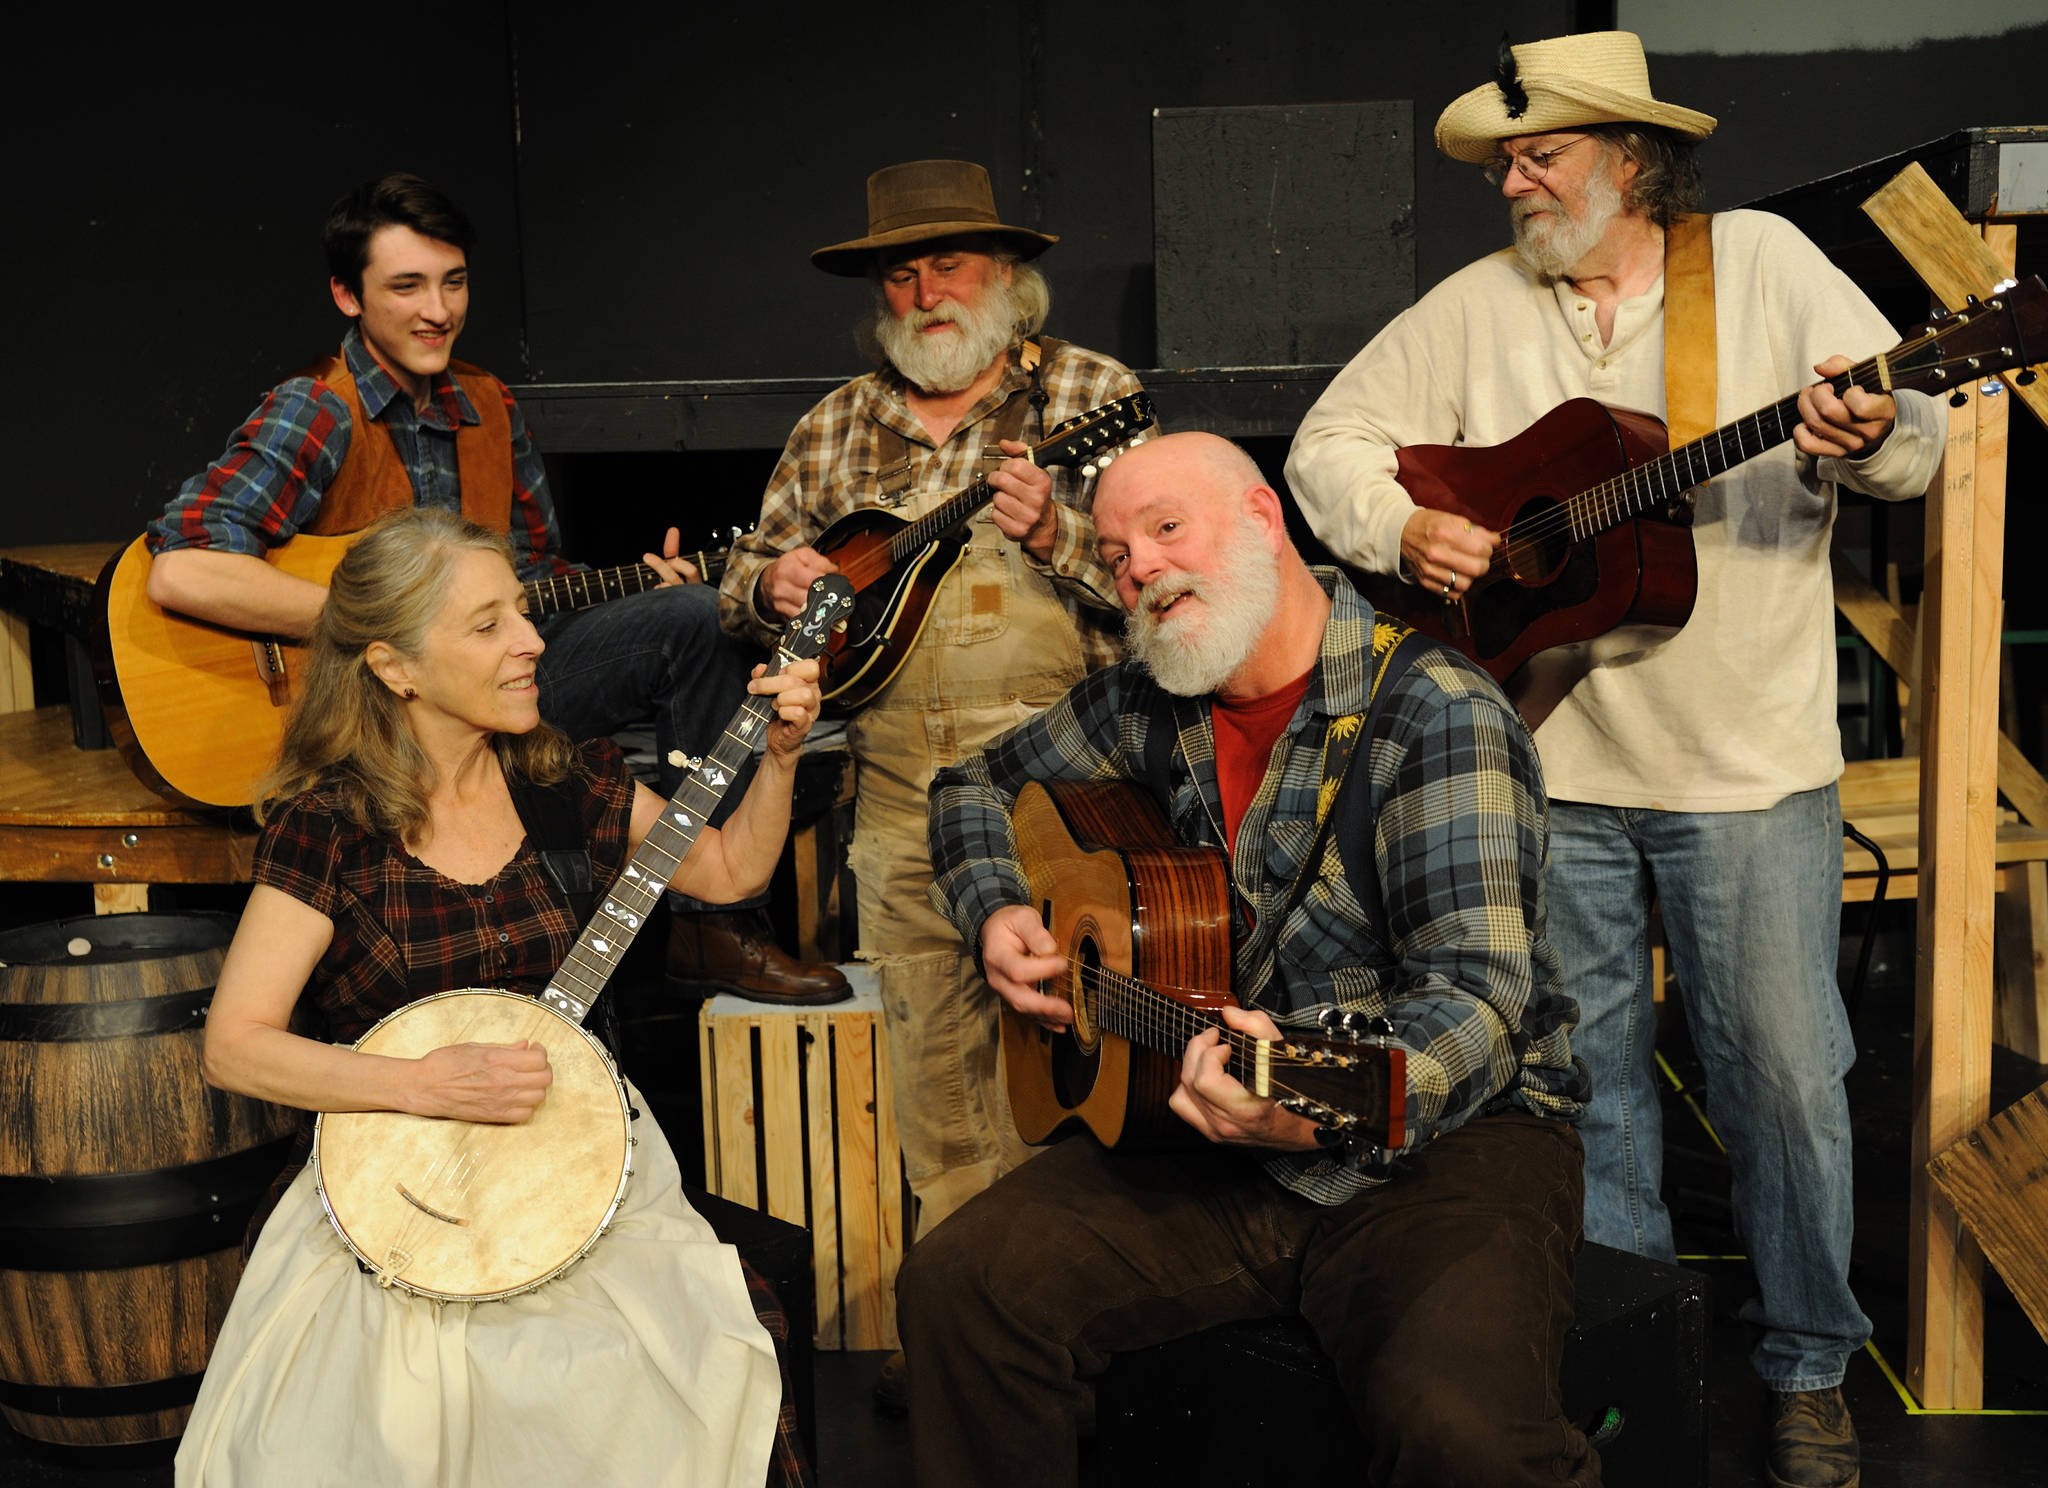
(649, 179)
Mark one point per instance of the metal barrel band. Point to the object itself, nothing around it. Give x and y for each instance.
(81, 1022)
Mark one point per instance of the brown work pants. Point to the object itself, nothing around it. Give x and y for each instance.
(1443, 1297)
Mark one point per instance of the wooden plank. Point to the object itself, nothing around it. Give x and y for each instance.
(120, 898)
(889, 1190)
(708, 1076)
(782, 1116)
(818, 1097)
(1997, 1180)
(1884, 627)
(192, 854)
(860, 1220)
(733, 1054)
(17, 686)
(2020, 1011)
(1952, 1022)
(1951, 259)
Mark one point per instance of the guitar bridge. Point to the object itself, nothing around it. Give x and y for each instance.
(425, 1208)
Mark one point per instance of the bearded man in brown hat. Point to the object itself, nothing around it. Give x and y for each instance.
(1701, 763)
(963, 376)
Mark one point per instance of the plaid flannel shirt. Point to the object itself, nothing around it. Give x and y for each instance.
(1456, 961)
(830, 467)
(269, 481)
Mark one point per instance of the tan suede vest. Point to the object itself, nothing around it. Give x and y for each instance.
(373, 478)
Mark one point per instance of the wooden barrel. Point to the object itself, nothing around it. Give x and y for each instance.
(125, 1180)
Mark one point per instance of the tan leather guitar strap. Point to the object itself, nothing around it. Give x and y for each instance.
(1689, 327)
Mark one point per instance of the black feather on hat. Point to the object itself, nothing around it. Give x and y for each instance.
(1511, 89)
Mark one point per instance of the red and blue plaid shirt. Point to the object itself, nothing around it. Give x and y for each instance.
(269, 481)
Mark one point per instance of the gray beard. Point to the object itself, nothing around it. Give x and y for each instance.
(1195, 655)
(1567, 242)
(949, 363)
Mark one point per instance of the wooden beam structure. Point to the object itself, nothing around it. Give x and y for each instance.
(1958, 673)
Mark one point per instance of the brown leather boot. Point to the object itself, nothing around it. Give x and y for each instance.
(737, 953)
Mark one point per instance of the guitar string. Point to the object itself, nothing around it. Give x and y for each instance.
(1145, 1009)
(1598, 507)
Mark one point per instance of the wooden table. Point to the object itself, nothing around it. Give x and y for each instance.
(72, 815)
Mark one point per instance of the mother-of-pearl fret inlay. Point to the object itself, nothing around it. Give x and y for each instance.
(638, 886)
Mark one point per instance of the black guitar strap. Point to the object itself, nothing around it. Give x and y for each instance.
(553, 819)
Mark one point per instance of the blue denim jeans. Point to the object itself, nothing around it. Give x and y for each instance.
(1752, 914)
(660, 653)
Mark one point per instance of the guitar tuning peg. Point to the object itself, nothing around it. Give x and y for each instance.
(1958, 398)
(2025, 377)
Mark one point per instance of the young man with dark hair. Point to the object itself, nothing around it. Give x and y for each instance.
(391, 419)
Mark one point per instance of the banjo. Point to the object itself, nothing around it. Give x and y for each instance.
(463, 1211)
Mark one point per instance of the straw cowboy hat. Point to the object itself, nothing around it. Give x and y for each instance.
(925, 199)
(1598, 77)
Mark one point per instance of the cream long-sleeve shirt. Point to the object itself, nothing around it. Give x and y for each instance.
(1737, 710)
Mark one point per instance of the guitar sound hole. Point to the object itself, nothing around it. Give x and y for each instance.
(1074, 1055)
(1538, 542)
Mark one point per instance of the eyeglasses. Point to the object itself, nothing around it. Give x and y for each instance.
(1533, 166)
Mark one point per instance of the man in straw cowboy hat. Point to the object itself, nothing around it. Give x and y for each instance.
(1701, 763)
(962, 377)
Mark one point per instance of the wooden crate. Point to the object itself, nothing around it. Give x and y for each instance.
(799, 1122)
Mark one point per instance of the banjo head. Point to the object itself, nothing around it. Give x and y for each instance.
(470, 1211)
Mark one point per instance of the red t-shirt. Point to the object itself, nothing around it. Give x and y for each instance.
(1245, 731)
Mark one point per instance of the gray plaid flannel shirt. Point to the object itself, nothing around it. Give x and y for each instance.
(1456, 962)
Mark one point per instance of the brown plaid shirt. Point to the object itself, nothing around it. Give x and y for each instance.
(835, 459)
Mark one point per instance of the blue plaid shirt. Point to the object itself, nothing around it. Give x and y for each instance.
(269, 481)
(1456, 958)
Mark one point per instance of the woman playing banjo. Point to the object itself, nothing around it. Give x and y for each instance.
(394, 865)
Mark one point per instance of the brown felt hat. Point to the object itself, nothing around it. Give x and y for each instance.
(1597, 77)
(925, 199)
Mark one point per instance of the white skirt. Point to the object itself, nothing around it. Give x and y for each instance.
(644, 1364)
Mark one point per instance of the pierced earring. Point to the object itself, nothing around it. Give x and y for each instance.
(410, 693)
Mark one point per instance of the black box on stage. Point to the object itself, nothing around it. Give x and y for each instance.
(1258, 1403)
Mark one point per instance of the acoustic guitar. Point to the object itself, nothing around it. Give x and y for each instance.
(473, 1212)
(1144, 924)
(897, 566)
(198, 710)
(1595, 513)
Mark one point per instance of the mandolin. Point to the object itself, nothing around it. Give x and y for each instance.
(474, 1211)
(1144, 923)
(897, 566)
(1595, 513)
(198, 710)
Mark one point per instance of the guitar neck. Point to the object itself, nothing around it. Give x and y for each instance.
(590, 586)
(955, 511)
(637, 890)
(1659, 482)
(1128, 1008)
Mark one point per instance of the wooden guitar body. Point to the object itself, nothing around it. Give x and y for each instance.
(890, 608)
(469, 1211)
(1553, 589)
(1117, 891)
(197, 710)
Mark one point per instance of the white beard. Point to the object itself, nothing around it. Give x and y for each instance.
(1565, 243)
(949, 363)
(1194, 654)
